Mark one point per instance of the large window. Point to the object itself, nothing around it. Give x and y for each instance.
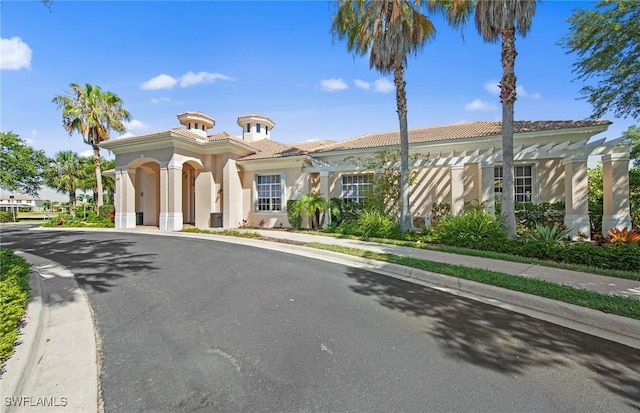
(269, 189)
(523, 182)
(354, 187)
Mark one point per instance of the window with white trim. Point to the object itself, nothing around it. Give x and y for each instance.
(269, 192)
(522, 182)
(257, 128)
(354, 187)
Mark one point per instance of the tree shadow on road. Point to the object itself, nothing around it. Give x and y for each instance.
(96, 264)
(502, 340)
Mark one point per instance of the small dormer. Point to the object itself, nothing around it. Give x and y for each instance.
(197, 122)
(255, 127)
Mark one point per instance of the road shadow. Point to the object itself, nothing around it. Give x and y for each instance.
(96, 264)
(504, 341)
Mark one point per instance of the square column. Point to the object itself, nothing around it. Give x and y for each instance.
(125, 199)
(488, 188)
(576, 197)
(324, 192)
(171, 197)
(232, 208)
(615, 191)
(457, 188)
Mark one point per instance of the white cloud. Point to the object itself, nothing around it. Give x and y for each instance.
(383, 85)
(160, 100)
(478, 104)
(14, 54)
(521, 92)
(159, 82)
(88, 152)
(125, 135)
(135, 124)
(492, 86)
(362, 84)
(191, 78)
(333, 85)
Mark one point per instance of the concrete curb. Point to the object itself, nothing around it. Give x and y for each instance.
(58, 368)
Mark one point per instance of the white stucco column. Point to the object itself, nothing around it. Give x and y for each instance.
(615, 190)
(232, 208)
(125, 201)
(324, 192)
(205, 195)
(576, 197)
(171, 197)
(488, 189)
(457, 188)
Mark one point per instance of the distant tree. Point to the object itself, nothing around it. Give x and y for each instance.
(93, 114)
(66, 173)
(388, 31)
(21, 166)
(89, 183)
(605, 41)
(632, 137)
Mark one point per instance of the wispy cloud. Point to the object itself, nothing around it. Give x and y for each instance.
(125, 135)
(361, 84)
(14, 54)
(160, 100)
(159, 82)
(165, 81)
(333, 85)
(383, 85)
(478, 104)
(88, 152)
(493, 87)
(135, 124)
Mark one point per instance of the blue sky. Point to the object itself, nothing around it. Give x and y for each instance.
(272, 57)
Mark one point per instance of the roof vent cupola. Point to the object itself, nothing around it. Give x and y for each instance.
(255, 127)
(197, 122)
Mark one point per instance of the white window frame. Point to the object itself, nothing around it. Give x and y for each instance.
(271, 187)
(519, 182)
(357, 181)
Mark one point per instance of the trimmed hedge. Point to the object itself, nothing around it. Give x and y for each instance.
(14, 294)
(6, 216)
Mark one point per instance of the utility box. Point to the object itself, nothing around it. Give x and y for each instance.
(216, 219)
(139, 218)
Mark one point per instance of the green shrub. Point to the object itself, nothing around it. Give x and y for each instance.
(472, 229)
(294, 213)
(105, 212)
(546, 214)
(347, 211)
(625, 257)
(6, 216)
(554, 234)
(374, 224)
(14, 294)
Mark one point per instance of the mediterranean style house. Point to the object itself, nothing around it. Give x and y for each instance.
(188, 175)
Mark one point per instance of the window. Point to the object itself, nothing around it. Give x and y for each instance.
(522, 182)
(269, 189)
(257, 128)
(354, 187)
(248, 127)
(266, 130)
(195, 126)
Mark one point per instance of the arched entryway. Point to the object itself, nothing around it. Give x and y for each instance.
(147, 191)
(189, 173)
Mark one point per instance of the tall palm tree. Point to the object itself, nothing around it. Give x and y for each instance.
(92, 113)
(66, 173)
(495, 20)
(389, 31)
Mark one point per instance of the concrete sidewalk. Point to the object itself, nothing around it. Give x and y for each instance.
(55, 366)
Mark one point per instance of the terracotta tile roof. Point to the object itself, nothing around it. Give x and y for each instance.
(454, 131)
(268, 149)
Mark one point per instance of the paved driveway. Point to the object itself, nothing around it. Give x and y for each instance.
(200, 325)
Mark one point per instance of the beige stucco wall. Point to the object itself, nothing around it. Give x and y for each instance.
(550, 180)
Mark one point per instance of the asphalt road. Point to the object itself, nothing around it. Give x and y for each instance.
(189, 325)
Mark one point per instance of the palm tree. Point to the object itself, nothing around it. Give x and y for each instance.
(65, 174)
(93, 114)
(389, 30)
(313, 204)
(495, 20)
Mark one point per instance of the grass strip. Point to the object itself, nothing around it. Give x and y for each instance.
(229, 232)
(629, 275)
(14, 294)
(612, 304)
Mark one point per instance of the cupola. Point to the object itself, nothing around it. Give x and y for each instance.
(255, 127)
(197, 122)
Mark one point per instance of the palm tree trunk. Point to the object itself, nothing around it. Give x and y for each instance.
(401, 102)
(508, 98)
(96, 164)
